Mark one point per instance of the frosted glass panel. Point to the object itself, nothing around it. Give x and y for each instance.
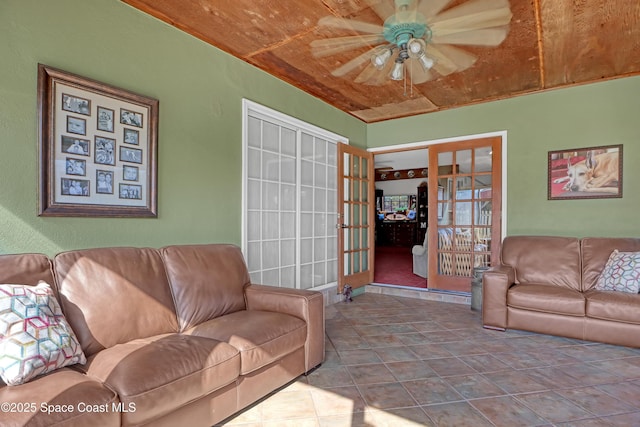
(288, 225)
(253, 255)
(306, 225)
(306, 250)
(319, 273)
(288, 277)
(319, 249)
(270, 254)
(270, 166)
(254, 132)
(270, 223)
(306, 199)
(253, 163)
(307, 173)
(271, 137)
(306, 148)
(291, 216)
(320, 179)
(306, 276)
(320, 200)
(253, 194)
(288, 170)
(270, 196)
(253, 225)
(288, 197)
(271, 277)
(320, 224)
(287, 252)
(288, 142)
(365, 168)
(365, 260)
(321, 150)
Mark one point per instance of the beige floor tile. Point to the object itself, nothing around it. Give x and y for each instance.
(287, 405)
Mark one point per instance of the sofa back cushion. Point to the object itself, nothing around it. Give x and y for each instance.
(544, 259)
(207, 281)
(114, 295)
(26, 269)
(595, 253)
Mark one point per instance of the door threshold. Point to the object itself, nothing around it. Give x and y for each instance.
(413, 288)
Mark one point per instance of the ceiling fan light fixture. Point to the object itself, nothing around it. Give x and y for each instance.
(397, 73)
(426, 62)
(380, 57)
(416, 47)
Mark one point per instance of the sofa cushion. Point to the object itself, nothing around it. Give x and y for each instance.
(27, 269)
(64, 388)
(547, 299)
(157, 375)
(262, 337)
(35, 338)
(207, 281)
(621, 273)
(544, 259)
(596, 252)
(614, 306)
(114, 295)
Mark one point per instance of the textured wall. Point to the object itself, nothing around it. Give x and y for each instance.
(583, 116)
(200, 150)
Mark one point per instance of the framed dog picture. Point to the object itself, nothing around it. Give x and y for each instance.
(585, 173)
(97, 148)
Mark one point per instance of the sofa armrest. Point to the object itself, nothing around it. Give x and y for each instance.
(304, 304)
(495, 283)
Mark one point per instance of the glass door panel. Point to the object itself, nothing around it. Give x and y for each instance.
(467, 194)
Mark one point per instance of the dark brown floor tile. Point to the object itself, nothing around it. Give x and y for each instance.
(514, 382)
(432, 390)
(384, 341)
(386, 396)
(330, 377)
(596, 401)
(624, 420)
(395, 354)
(474, 386)
(429, 351)
(553, 377)
(371, 374)
(411, 370)
(484, 363)
(358, 357)
(459, 414)
(553, 407)
(506, 411)
(628, 392)
(450, 366)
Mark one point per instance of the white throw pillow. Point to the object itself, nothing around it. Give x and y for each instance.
(621, 273)
(35, 338)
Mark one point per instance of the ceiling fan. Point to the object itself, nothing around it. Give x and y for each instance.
(417, 37)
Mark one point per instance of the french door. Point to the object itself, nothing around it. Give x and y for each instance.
(465, 205)
(355, 217)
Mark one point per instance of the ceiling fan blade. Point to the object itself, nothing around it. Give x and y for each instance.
(430, 8)
(408, 12)
(482, 37)
(353, 64)
(350, 24)
(382, 8)
(450, 59)
(473, 15)
(417, 73)
(327, 47)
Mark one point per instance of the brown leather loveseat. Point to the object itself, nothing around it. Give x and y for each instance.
(175, 336)
(547, 285)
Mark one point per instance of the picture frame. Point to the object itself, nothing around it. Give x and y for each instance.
(585, 173)
(92, 163)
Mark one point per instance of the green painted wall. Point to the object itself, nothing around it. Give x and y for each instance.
(200, 90)
(590, 115)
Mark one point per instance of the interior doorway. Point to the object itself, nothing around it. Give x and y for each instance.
(401, 218)
(438, 212)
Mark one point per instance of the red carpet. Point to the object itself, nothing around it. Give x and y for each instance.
(394, 266)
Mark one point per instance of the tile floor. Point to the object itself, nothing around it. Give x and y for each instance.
(394, 361)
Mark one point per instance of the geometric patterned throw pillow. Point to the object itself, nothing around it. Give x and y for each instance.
(35, 338)
(621, 273)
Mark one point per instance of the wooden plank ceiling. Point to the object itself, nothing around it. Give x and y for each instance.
(551, 44)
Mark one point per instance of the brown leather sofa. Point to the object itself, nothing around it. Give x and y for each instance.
(547, 285)
(176, 336)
